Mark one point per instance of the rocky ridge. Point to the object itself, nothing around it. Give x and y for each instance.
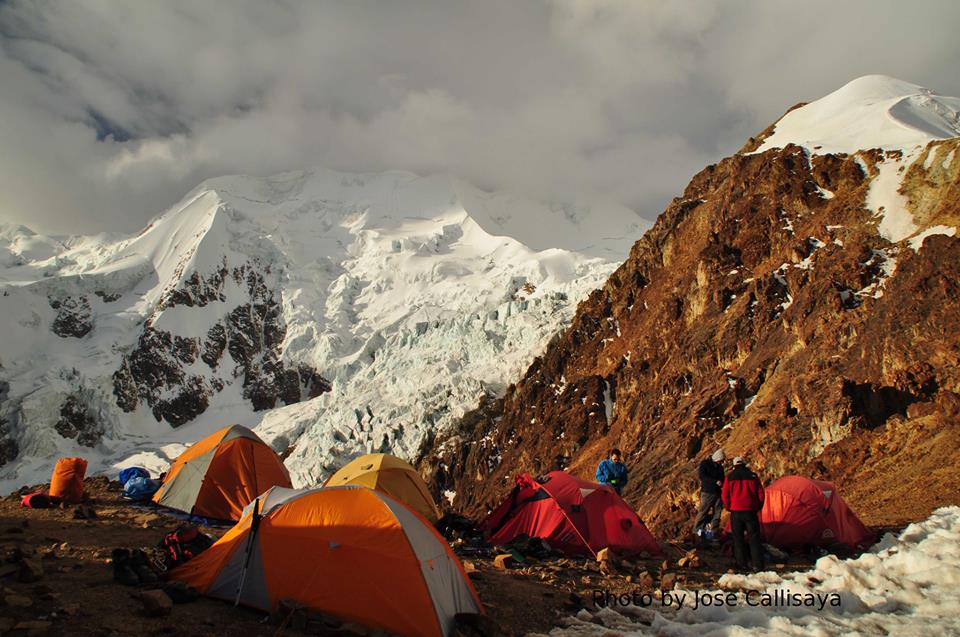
(770, 311)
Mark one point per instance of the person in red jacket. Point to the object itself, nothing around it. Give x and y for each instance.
(742, 496)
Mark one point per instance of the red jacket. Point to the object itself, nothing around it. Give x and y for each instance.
(742, 490)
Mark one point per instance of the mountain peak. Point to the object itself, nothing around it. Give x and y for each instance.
(873, 111)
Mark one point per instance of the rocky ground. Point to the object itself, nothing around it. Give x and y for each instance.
(56, 576)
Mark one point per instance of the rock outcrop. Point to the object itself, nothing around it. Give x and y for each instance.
(78, 423)
(242, 344)
(73, 317)
(763, 313)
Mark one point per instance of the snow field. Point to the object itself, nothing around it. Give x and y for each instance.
(906, 585)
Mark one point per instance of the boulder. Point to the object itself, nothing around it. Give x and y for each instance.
(474, 625)
(292, 613)
(84, 512)
(645, 580)
(30, 570)
(668, 581)
(156, 603)
(32, 627)
(72, 609)
(180, 593)
(17, 601)
(690, 560)
(573, 602)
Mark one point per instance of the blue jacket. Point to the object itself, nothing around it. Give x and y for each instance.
(613, 474)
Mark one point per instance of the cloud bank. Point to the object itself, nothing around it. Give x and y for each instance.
(110, 112)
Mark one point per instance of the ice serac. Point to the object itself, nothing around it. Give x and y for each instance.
(797, 304)
(336, 313)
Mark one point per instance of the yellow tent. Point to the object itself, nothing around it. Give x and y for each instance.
(392, 476)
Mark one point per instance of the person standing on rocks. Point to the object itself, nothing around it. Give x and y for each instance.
(612, 471)
(710, 472)
(743, 496)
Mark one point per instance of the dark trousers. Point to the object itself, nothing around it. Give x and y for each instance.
(709, 509)
(746, 521)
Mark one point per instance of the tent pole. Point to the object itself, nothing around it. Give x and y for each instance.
(254, 524)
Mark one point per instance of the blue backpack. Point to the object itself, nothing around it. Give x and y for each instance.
(140, 488)
(132, 472)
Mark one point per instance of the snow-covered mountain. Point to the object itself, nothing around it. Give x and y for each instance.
(335, 313)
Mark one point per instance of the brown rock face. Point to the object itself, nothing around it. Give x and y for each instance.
(759, 314)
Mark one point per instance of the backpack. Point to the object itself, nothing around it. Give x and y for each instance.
(182, 545)
(38, 500)
(139, 488)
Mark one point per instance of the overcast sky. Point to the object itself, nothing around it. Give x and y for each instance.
(110, 110)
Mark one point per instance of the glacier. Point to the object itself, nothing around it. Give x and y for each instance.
(334, 313)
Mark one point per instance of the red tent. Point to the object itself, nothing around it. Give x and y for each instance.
(799, 511)
(571, 515)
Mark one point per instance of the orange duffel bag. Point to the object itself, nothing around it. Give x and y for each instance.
(67, 480)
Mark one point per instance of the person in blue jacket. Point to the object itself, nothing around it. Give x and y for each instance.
(612, 471)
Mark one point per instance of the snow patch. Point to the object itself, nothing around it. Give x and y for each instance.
(948, 159)
(905, 585)
(885, 200)
(917, 241)
(885, 261)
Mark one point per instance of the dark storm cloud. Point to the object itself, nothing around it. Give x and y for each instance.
(111, 111)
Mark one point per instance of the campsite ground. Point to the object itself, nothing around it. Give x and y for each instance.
(76, 593)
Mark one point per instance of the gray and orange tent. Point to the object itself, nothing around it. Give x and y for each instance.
(393, 476)
(219, 475)
(350, 552)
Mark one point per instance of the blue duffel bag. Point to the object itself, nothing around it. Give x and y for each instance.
(133, 472)
(139, 488)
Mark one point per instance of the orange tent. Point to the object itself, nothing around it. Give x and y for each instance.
(221, 474)
(350, 552)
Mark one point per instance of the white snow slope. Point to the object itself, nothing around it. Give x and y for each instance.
(905, 586)
(413, 295)
(873, 111)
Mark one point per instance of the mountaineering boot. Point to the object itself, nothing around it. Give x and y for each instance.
(141, 566)
(122, 571)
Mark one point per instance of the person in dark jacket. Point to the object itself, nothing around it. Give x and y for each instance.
(710, 472)
(743, 496)
(612, 471)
